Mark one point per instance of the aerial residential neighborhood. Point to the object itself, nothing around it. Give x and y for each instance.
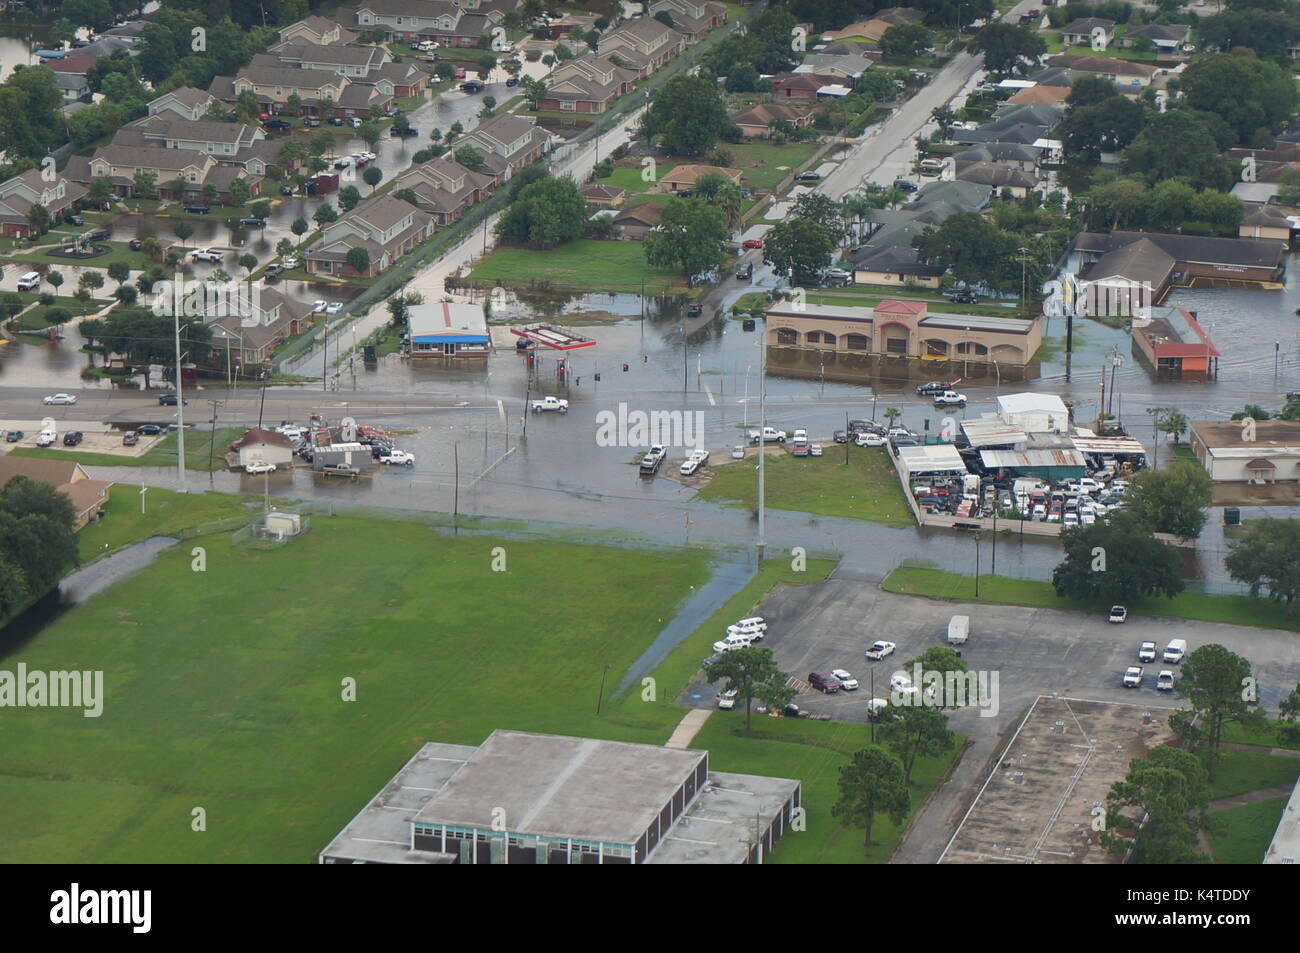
(667, 432)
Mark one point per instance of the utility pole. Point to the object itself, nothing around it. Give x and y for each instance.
(762, 425)
(212, 438)
(180, 408)
(455, 507)
(977, 564)
(685, 368)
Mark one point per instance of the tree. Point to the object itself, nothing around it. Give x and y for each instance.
(544, 214)
(119, 271)
(358, 259)
(752, 673)
(183, 231)
(371, 176)
(349, 196)
(1169, 790)
(144, 184)
(1116, 562)
(1218, 684)
(913, 730)
(1252, 95)
(689, 238)
(972, 249)
(1109, 125)
(799, 248)
(1267, 558)
(325, 214)
(1288, 709)
(240, 192)
(370, 133)
(666, 18)
(1177, 145)
(1006, 47)
(55, 278)
(92, 280)
(248, 262)
(300, 226)
(720, 192)
(905, 39)
(486, 64)
(1172, 500)
(99, 190)
(872, 783)
(686, 116)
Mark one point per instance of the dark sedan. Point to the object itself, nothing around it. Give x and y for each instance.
(169, 400)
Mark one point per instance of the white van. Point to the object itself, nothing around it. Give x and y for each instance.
(1175, 650)
(958, 629)
(29, 282)
(46, 438)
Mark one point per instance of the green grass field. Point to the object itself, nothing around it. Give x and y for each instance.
(1241, 835)
(999, 590)
(203, 451)
(584, 264)
(866, 489)
(764, 165)
(1236, 772)
(1269, 738)
(121, 251)
(238, 709)
(165, 513)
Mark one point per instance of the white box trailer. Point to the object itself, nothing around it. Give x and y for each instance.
(958, 629)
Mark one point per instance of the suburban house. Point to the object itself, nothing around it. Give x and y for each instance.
(189, 169)
(683, 177)
(840, 66)
(1040, 95)
(461, 23)
(448, 329)
(805, 86)
(1267, 221)
(1120, 72)
(232, 144)
(894, 265)
(185, 102)
(73, 87)
(264, 446)
(876, 27)
(316, 30)
(250, 339)
(757, 122)
(385, 227)
(1141, 264)
(20, 194)
(1228, 457)
(691, 18)
(1165, 37)
(351, 61)
(903, 329)
(633, 223)
(321, 92)
(444, 188)
(648, 38)
(1173, 344)
(507, 143)
(1012, 155)
(69, 478)
(1083, 30)
(579, 24)
(587, 84)
(1003, 178)
(602, 196)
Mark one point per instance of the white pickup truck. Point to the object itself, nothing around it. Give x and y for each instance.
(655, 456)
(950, 398)
(550, 403)
(768, 435)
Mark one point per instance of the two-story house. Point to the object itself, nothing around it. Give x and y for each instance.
(253, 335)
(231, 144)
(179, 174)
(185, 102)
(350, 61)
(20, 194)
(588, 84)
(508, 143)
(316, 30)
(449, 22)
(444, 188)
(692, 18)
(321, 93)
(646, 37)
(385, 227)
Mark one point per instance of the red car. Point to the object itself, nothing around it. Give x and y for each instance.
(752, 243)
(460, 72)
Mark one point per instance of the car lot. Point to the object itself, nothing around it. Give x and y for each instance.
(829, 625)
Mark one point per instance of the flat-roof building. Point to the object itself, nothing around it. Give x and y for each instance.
(1265, 451)
(1172, 343)
(523, 798)
(448, 329)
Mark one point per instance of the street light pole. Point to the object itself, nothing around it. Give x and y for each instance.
(762, 426)
(180, 407)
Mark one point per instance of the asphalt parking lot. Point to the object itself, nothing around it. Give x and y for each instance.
(1031, 652)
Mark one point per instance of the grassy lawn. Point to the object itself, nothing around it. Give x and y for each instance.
(866, 489)
(1241, 835)
(121, 251)
(999, 590)
(36, 319)
(165, 513)
(627, 178)
(198, 445)
(1236, 772)
(762, 162)
(1268, 738)
(239, 711)
(584, 264)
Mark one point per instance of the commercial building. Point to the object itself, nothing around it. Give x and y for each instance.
(1196, 257)
(264, 446)
(1267, 451)
(522, 798)
(1173, 344)
(941, 458)
(903, 329)
(448, 329)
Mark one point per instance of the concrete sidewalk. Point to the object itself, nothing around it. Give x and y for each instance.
(688, 728)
